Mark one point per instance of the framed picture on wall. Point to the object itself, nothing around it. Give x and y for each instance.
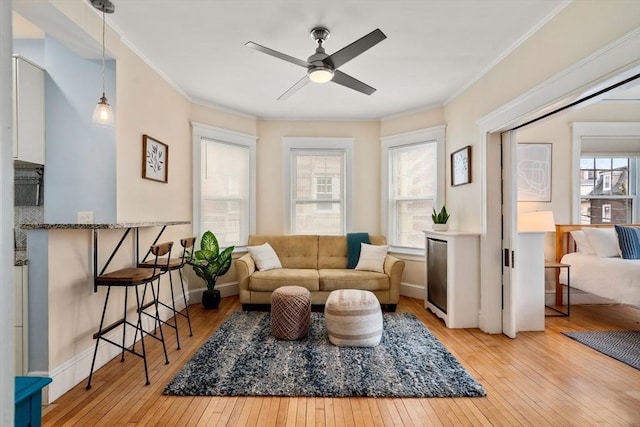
(461, 166)
(534, 172)
(155, 159)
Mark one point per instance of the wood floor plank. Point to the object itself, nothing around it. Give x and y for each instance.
(538, 379)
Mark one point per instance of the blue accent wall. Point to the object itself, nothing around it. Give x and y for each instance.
(80, 160)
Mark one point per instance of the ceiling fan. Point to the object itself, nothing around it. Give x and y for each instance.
(321, 67)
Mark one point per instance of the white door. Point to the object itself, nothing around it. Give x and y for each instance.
(509, 233)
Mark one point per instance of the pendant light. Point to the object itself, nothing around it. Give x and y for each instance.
(102, 115)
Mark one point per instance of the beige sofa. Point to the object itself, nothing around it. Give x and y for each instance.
(317, 263)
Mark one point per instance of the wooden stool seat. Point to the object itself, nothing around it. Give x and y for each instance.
(127, 276)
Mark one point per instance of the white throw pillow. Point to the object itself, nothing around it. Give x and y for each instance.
(265, 257)
(582, 242)
(603, 241)
(372, 257)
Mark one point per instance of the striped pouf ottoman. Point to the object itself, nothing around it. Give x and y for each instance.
(353, 318)
(290, 312)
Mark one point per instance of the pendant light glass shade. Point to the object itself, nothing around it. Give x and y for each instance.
(102, 114)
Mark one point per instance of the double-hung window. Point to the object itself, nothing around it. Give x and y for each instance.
(606, 162)
(317, 180)
(224, 184)
(413, 167)
(608, 189)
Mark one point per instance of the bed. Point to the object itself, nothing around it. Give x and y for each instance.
(609, 277)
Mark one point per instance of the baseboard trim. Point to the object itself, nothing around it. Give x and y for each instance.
(412, 291)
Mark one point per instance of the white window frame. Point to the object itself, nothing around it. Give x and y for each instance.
(434, 134)
(202, 131)
(317, 144)
(613, 131)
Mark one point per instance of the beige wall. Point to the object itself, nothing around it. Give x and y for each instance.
(566, 39)
(366, 170)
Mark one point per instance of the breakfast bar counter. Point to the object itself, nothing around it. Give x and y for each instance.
(64, 305)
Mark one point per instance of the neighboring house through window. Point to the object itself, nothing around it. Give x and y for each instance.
(413, 166)
(317, 185)
(224, 184)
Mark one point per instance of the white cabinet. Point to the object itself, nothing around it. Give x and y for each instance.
(20, 318)
(28, 111)
(452, 289)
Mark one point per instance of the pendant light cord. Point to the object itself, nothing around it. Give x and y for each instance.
(103, 19)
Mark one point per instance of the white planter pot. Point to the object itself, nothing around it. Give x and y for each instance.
(440, 227)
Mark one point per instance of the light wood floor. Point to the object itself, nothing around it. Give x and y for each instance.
(540, 378)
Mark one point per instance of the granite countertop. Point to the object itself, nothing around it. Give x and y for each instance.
(101, 226)
(20, 257)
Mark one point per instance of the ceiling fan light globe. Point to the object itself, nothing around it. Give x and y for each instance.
(320, 75)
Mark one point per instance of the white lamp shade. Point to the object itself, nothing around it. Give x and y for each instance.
(536, 222)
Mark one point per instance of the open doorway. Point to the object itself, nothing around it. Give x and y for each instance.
(587, 82)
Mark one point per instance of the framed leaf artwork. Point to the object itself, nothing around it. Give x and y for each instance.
(155, 159)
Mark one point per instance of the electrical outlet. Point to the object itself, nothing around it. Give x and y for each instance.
(85, 217)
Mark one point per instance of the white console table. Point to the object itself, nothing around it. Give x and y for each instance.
(452, 264)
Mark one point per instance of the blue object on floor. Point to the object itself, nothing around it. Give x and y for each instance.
(28, 400)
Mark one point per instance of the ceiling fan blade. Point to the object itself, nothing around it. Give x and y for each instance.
(277, 54)
(355, 84)
(293, 89)
(349, 52)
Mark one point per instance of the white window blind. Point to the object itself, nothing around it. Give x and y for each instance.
(224, 184)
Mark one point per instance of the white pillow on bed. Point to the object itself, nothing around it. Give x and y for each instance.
(582, 243)
(603, 241)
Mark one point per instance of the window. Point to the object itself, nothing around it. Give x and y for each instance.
(606, 158)
(607, 194)
(412, 164)
(224, 184)
(317, 181)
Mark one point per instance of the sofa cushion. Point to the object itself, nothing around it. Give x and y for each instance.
(293, 251)
(267, 281)
(332, 279)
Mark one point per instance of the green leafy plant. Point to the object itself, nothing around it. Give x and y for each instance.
(440, 217)
(209, 262)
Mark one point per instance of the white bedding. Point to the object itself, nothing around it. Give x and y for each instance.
(613, 278)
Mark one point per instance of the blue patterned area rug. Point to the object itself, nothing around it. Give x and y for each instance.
(621, 345)
(242, 359)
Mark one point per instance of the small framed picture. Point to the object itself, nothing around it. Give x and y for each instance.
(461, 166)
(155, 159)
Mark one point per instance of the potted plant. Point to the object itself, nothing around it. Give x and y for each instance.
(440, 219)
(209, 263)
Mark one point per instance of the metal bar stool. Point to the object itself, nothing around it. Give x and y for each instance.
(132, 277)
(170, 265)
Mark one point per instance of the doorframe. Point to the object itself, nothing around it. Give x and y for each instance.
(611, 64)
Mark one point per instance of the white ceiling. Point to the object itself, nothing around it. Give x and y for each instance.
(434, 49)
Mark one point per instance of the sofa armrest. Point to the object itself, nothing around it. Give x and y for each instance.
(394, 267)
(245, 266)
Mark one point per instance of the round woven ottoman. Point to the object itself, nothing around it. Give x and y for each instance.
(290, 312)
(353, 318)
